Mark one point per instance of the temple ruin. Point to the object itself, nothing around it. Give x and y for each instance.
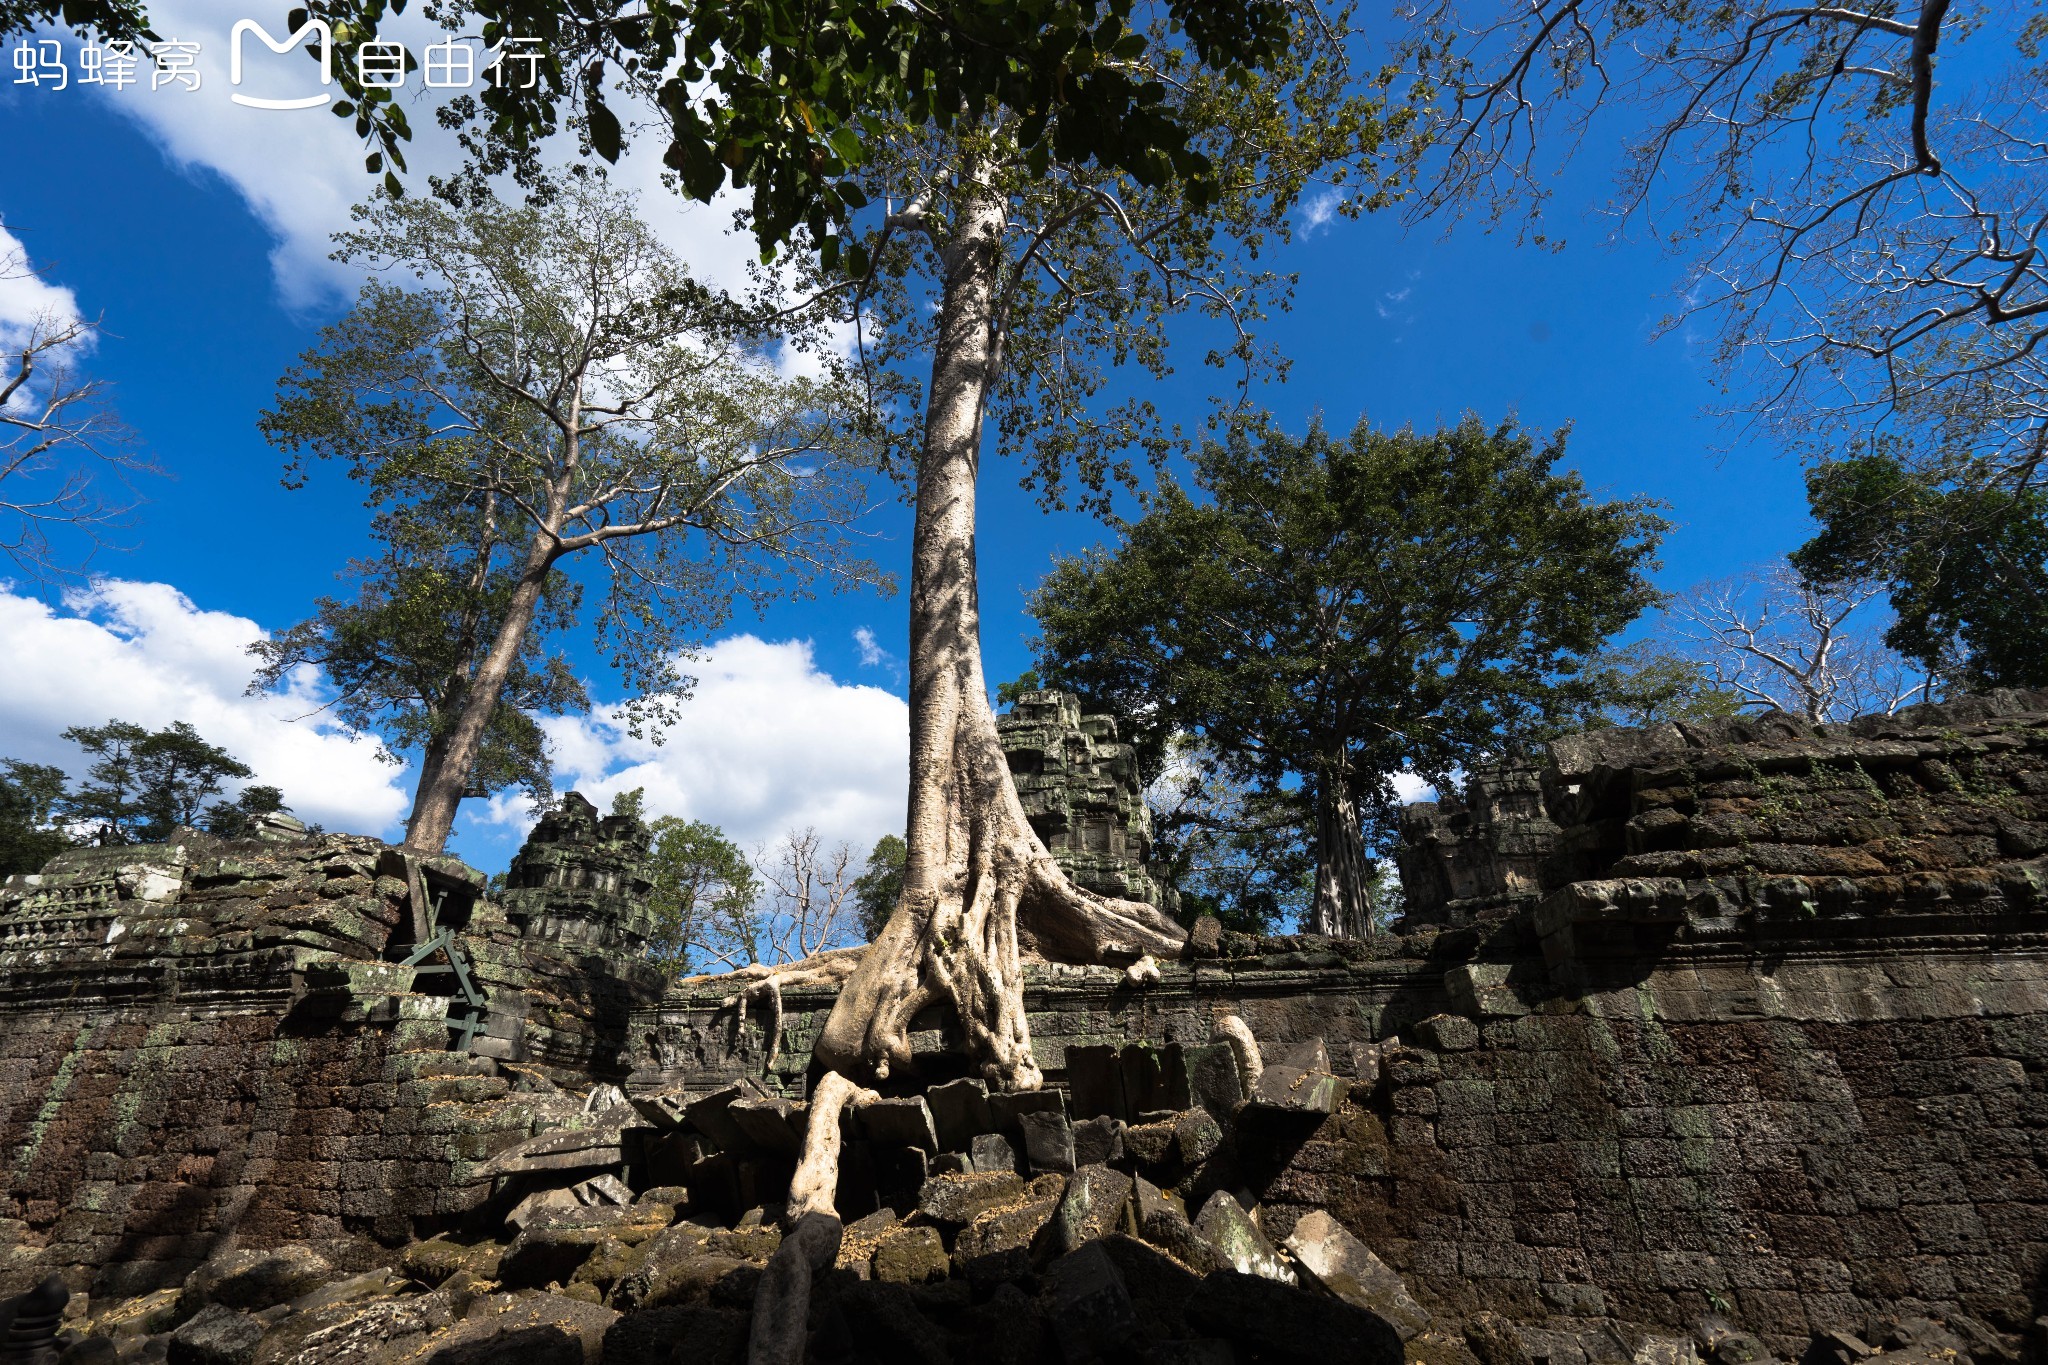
(1722, 1042)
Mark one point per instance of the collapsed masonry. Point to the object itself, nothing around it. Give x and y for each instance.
(1698, 1039)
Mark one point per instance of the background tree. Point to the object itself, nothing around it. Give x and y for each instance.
(1967, 567)
(59, 438)
(142, 784)
(880, 885)
(1646, 683)
(558, 370)
(703, 901)
(1343, 610)
(1864, 234)
(238, 819)
(1226, 849)
(30, 795)
(1776, 640)
(403, 654)
(809, 901)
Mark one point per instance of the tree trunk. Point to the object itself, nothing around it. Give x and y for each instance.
(979, 888)
(442, 783)
(1343, 907)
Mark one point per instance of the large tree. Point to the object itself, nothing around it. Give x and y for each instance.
(1332, 612)
(1021, 277)
(142, 784)
(559, 378)
(402, 654)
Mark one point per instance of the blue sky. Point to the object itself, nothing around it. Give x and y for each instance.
(196, 230)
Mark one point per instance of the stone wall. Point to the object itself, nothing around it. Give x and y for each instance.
(205, 1044)
(1746, 1021)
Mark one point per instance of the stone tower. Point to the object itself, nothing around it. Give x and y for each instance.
(581, 878)
(1079, 785)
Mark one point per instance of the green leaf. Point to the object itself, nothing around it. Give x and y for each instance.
(604, 128)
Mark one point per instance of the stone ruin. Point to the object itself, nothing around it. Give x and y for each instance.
(1722, 1043)
(1079, 785)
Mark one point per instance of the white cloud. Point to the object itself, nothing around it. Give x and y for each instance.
(1319, 211)
(300, 171)
(766, 743)
(871, 652)
(144, 652)
(1411, 787)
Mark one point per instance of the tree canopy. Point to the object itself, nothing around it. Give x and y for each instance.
(1333, 612)
(1966, 564)
(556, 390)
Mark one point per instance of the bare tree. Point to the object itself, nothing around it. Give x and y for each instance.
(1777, 641)
(58, 437)
(807, 903)
(1867, 239)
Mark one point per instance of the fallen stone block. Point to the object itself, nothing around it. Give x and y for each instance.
(708, 1116)
(1347, 1268)
(1095, 1205)
(899, 1123)
(1098, 1141)
(679, 1336)
(1299, 1083)
(1008, 1109)
(960, 1199)
(1092, 1313)
(773, 1125)
(252, 1280)
(1048, 1141)
(1196, 1136)
(991, 1152)
(960, 1112)
(1270, 1321)
(1225, 1225)
(1214, 1082)
(571, 1149)
(216, 1335)
(1095, 1082)
(910, 1256)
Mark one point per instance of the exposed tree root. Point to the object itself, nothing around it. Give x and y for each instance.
(763, 983)
(1234, 1031)
(782, 1303)
(1143, 972)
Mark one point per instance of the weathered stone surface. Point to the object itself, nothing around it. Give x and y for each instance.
(1213, 1079)
(1163, 1221)
(1301, 1082)
(216, 1335)
(1494, 1340)
(1006, 1227)
(1095, 1204)
(1446, 1033)
(993, 1152)
(1048, 1141)
(960, 1112)
(909, 1255)
(1098, 1141)
(1347, 1268)
(1277, 1322)
(1196, 1136)
(899, 1123)
(252, 1280)
(771, 1124)
(1225, 1225)
(956, 1199)
(709, 1116)
(433, 1261)
(1092, 1313)
(1009, 1108)
(1095, 1082)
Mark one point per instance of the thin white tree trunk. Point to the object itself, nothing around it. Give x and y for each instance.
(980, 889)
